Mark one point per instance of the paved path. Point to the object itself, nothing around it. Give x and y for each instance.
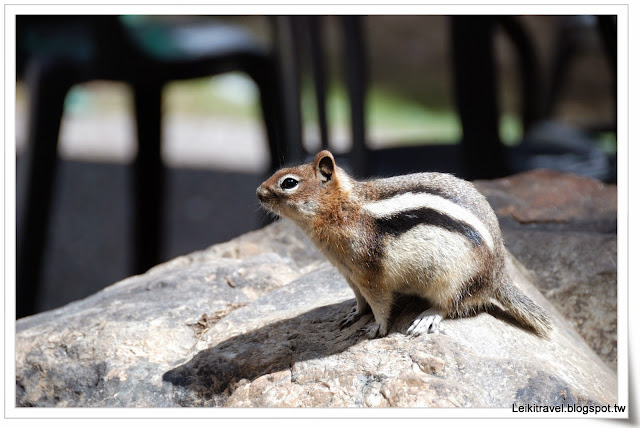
(211, 195)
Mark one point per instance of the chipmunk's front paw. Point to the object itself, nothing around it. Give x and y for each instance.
(350, 319)
(427, 322)
(374, 330)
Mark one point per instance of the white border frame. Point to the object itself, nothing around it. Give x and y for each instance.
(8, 197)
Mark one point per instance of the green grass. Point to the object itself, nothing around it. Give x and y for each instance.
(392, 115)
(231, 95)
(408, 121)
(608, 143)
(389, 116)
(510, 129)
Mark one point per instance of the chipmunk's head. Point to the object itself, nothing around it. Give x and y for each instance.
(298, 193)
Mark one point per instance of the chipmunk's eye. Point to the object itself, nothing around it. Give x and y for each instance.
(288, 183)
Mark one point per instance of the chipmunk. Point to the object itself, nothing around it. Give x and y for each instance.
(426, 234)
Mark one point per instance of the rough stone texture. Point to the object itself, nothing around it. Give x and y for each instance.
(254, 322)
(554, 200)
(563, 228)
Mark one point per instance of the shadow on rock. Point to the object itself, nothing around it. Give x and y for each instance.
(270, 349)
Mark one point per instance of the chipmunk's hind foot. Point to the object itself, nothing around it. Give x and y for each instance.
(426, 322)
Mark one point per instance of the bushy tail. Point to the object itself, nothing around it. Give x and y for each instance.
(523, 309)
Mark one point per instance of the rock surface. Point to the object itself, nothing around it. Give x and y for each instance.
(254, 322)
(563, 229)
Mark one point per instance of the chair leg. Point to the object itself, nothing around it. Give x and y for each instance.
(149, 177)
(314, 33)
(286, 33)
(529, 68)
(607, 27)
(267, 78)
(356, 79)
(47, 92)
(476, 95)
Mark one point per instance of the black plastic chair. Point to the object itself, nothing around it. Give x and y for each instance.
(481, 153)
(56, 52)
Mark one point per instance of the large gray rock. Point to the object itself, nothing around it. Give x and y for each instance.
(254, 322)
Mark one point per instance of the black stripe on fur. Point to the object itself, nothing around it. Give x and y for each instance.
(388, 194)
(404, 221)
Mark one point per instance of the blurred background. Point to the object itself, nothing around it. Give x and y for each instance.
(225, 100)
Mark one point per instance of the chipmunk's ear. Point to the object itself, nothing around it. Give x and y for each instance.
(325, 166)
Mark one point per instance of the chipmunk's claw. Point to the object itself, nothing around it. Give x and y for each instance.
(350, 319)
(373, 330)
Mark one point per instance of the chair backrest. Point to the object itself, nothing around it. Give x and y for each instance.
(51, 36)
(84, 38)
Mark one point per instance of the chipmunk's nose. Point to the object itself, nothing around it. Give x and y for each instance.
(262, 193)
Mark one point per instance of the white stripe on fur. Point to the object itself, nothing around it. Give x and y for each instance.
(411, 201)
